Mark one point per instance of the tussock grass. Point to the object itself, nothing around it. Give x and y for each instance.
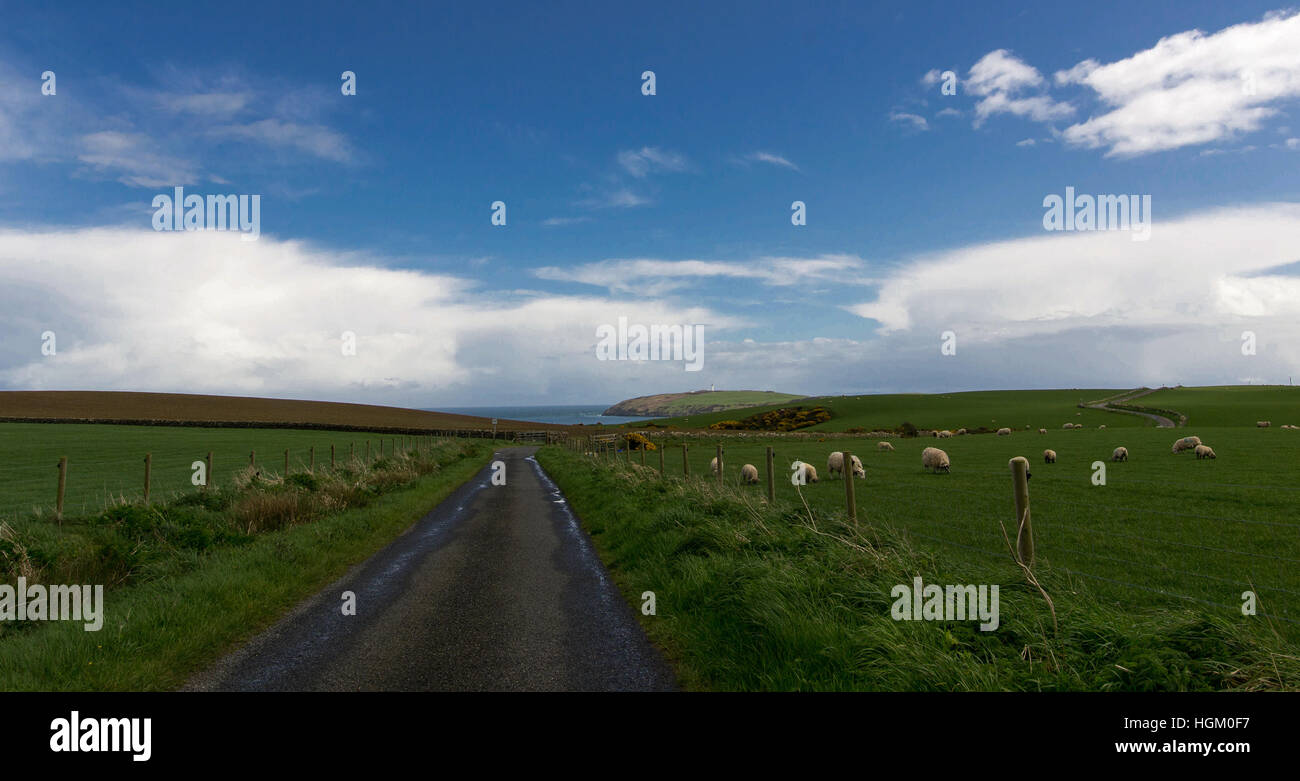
(793, 597)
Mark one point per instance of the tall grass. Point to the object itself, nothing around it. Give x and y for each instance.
(793, 597)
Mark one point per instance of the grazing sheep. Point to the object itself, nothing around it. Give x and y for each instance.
(1049, 456)
(749, 474)
(1120, 454)
(1263, 423)
(809, 473)
(934, 459)
(1186, 443)
(961, 432)
(1068, 426)
(1042, 431)
(884, 446)
(835, 463)
(1102, 426)
(713, 465)
(945, 434)
(1205, 451)
(1002, 432)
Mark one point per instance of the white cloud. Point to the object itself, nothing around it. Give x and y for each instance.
(649, 159)
(1208, 269)
(1026, 142)
(916, 121)
(653, 276)
(1190, 88)
(316, 140)
(560, 221)
(134, 157)
(999, 78)
(772, 159)
(205, 312)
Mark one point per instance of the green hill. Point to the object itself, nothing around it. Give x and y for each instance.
(697, 402)
(1048, 409)
(1230, 405)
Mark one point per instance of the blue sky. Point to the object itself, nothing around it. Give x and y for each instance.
(918, 203)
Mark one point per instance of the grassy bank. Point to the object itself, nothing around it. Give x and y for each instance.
(187, 581)
(790, 597)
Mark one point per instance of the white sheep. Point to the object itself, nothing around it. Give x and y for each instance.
(1068, 426)
(1042, 431)
(713, 465)
(835, 463)
(1120, 454)
(1186, 443)
(934, 459)
(1002, 432)
(961, 432)
(749, 474)
(1205, 451)
(809, 473)
(1049, 456)
(1263, 423)
(945, 434)
(1102, 426)
(884, 446)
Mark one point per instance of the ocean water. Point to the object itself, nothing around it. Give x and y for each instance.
(567, 414)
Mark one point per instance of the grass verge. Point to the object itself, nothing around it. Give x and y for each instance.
(788, 597)
(189, 581)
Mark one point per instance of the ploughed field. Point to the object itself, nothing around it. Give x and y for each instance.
(1164, 530)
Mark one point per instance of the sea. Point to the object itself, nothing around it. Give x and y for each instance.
(567, 414)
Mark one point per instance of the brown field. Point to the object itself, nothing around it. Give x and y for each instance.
(186, 409)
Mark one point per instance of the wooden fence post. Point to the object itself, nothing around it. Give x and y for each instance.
(252, 458)
(311, 467)
(209, 477)
(331, 456)
(148, 469)
(719, 464)
(352, 454)
(850, 500)
(686, 464)
(771, 477)
(661, 459)
(286, 462)
(1024, 530)
(63, 482)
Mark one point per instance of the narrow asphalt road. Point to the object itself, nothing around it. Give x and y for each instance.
(496, 589)
(1160, 420)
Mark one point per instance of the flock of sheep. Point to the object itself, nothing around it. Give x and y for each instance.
(935, 460)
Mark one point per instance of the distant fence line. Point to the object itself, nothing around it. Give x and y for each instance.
(542, 435)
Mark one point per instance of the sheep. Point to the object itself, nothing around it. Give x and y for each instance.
(1002, 432)
(749, 474)
(1205, 451)
(1186, 443)
(835, 463)
(884, 446)
(934, 459)
(1042, 431)
(1102, 426)
(809, 473)
(713, 465)
(1120, 454)
(1263, 423)
(1068, 426)
(961, 432)
(944, 434)
(1049, 456)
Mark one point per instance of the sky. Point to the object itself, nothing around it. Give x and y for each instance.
(923, 140)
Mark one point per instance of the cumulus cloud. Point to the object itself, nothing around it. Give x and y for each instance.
(1211, 272)
(205, 312)
(1190, 88)
(1000, 80)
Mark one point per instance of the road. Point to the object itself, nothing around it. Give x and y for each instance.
(1160, 420)
(497, 589)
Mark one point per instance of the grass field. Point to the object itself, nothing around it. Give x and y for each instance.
(1237, 405)
(106, 462)
(993, 409)
(1146, 573)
